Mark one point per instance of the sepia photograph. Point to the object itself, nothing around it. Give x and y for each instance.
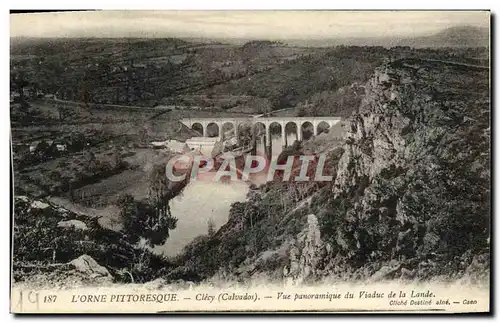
(250, 161)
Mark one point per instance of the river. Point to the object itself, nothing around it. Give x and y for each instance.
(200, 202)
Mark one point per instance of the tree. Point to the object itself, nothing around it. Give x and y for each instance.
(91, 162)
(211, 227)
(141, 220)
(159, 196)
(301, 111)
(20, 82)
(77, 141)
(150, 218)
(143, 134)
(117, 157)
(158, 187)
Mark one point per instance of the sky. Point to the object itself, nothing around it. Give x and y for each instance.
(242, 24)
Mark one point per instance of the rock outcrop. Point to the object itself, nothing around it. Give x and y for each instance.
(72, 224)
(305, 253)
(52, 243)
(88, 266)
(414, 178)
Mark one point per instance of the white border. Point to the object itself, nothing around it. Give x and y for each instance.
(179, 5)
(256, 4)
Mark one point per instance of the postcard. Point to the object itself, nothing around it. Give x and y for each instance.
(250, 161)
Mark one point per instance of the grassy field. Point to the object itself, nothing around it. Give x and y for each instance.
(132, 181)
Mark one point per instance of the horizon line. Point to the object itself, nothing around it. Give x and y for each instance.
(276, 25)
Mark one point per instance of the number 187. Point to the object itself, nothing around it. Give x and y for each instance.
(49, 298)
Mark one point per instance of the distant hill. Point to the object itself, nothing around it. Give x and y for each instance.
(462, 36)
(459, 36)
(257, 76)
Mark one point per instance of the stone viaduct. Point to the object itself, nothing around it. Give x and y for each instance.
(262, 122)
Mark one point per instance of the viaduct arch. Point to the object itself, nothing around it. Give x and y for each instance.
(299, 123)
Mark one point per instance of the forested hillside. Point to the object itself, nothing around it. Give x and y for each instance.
(255, 77)
(410, 199)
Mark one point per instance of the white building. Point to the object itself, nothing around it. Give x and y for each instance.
(177, 146)
(61, 147)
(173, 145)
(158, 144)
(204, 145)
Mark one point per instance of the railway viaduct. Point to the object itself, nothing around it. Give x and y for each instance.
(259, 123)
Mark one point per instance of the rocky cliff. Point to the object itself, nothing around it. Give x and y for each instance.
(410, 200)
(414, 180)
